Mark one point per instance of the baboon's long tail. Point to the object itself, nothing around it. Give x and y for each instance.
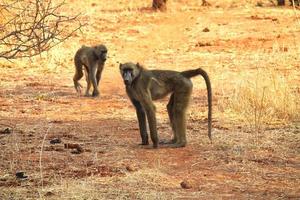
(199, 71)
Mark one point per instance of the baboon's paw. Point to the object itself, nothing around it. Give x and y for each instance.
(167, 142)
(178, 145)
(144, 143)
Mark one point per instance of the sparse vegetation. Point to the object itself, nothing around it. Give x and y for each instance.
(29, 28)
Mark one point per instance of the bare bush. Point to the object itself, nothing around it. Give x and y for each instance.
(30, 27)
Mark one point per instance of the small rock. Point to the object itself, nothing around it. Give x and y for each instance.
(6, 131)
(21, 175)
(185, 185)
(203, 44)
(49, 194)
(75, 151)
(55, 141)
(89, 163)
(56, 121)
(77, 147)
(131, 168)
(206, 30)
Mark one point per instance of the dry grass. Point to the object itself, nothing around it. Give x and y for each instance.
(266, 94)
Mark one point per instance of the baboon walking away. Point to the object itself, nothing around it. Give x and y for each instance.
(143, 86)
(92, 59)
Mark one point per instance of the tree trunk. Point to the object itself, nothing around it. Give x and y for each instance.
(159, 5)
(280, 2)
(296, 2)
(205, 3)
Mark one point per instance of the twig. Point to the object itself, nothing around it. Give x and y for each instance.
(294, 8)
(41, 154)
(34, 28)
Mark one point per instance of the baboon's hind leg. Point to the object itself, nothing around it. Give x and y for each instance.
(88, 82)
(171, 118)
(92, 75)
(77, 76)
(181, 102)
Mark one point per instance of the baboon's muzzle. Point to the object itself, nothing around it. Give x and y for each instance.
(127, 77)
(127, 82)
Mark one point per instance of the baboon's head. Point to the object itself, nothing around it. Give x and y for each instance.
(101, 52)
(130, 72)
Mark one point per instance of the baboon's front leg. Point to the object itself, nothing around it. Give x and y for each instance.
(99, 72)
(142, 121)
(150, 111)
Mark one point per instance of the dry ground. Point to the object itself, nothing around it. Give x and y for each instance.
(252, 56)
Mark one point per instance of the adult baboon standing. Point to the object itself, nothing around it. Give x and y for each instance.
(143, 86)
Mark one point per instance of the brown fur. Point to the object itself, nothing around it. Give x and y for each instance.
(93, 59)
(143, 86)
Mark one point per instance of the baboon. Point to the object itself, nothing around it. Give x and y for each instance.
(143, 86)
(93, 59)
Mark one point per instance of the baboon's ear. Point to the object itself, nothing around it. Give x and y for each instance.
(120, 66)
(138, 65)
